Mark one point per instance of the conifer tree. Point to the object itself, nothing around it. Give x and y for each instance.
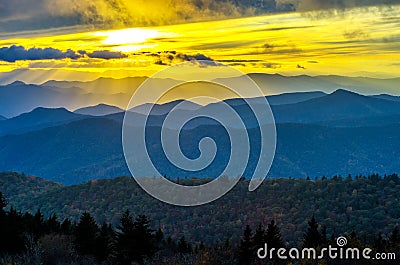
(3, 223)
(135, 239)
(259, 236)
(67, 227)
(394, 237)
(246, 254)
(3, 204)
(273, 236)
(312, 238)
(104, 242)
(86, 233)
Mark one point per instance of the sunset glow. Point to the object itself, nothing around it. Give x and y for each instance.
(356, 42)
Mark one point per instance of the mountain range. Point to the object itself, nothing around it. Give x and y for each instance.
(37, 119)
(18, 97)
(98, 110)
(325, 134)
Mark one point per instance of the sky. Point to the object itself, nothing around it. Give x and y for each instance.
(43, 40)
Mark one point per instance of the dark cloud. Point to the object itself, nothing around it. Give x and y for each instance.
(313, 5)
(271, 48)
(173, 57)
(106, 55)
(22, 15)
(196, 57)
(320, 9)
(271, 65)
(160, 62)
(238, 64)
(268, 46)
(288, 28)
(355, 34)
(391, 39)
(278, 28)
(251, 62)
(17, 53)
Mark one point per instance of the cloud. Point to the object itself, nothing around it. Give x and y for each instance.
(40, 14)
(106, 55)
(355, 34)
(196, 57)
(313, 5)
(271, 48)
(173, 57)
(17, 53)
(271, 65)
(20, 15)
(160, 62)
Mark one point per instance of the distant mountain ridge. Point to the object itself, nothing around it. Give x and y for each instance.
(98, 110)
(337, 105)
(340, 108)
(18, 97)
(292, 98)
(387, 97)
(316, 107)
(162, 109)
(37, 119)
(338, 133)
(68, 153)
(91, 149)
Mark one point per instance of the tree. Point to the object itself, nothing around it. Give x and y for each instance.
(324, 236)
(273, 236)
(125, 245)
(3, 204)
(145, 236)
(259, 236)
(135, 239)
(12, 232)
(312, 238)
(37, 224)
(394, 238)
(104, 242)
(246, 247)
(86, 234)
(3, 223)
(67, 227)
(52, 224)
(183, 246)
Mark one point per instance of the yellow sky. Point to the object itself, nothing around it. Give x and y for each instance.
(357, 42)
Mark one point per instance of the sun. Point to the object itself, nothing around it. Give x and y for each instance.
(128, 40)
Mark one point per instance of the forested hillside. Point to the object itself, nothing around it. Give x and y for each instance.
(369, 205)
